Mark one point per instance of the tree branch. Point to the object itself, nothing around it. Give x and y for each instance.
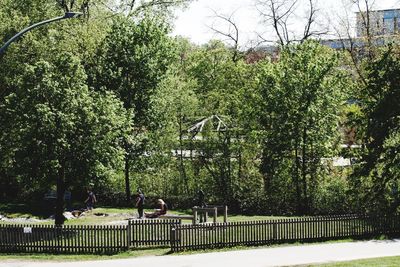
(279, 13)
(232, 34)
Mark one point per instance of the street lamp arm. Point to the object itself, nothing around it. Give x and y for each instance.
(15, 37)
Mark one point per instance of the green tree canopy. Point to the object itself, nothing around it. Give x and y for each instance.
(302, 96)
(132, 62)
(57, 130)
(376, 179)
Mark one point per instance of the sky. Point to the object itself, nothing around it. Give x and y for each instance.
(194, 22)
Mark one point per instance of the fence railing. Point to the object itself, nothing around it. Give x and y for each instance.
(63, 239)
(156, 233)
(208, 236)
(151, 233)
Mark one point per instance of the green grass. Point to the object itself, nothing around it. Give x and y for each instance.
(201, 251)
(84, 257)
(241, 218)
(375, 262)
(144, 252)
(114, 215)
(19, 210)
(128, 254)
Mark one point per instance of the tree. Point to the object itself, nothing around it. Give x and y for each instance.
(130, 8)
(219, 78)
(45, 44)
(376, 179)
(223, 87)
(174, 104)
(301, 98)
(231, 33)
(15, 16)
(363, 46)
(59, 129)
(373, 116)
(280, 14)
(134, 59)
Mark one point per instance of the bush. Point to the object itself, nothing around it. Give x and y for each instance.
(331, 197)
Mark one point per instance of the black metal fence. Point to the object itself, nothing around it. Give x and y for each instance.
(252, 233)
(63, 239)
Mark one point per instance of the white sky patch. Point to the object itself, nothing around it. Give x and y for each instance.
(194, 22)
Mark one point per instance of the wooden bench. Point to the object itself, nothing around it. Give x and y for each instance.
(212, 209)
(196, 210)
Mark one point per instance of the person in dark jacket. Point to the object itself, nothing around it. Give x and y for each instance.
(140, 203)
(91, 199)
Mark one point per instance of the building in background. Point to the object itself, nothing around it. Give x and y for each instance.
(381, 22)
(383, 26)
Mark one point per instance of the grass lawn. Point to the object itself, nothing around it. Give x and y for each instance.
(133, 253)
(378, 262)
(22, 214)
(83, 257)
(375, 262)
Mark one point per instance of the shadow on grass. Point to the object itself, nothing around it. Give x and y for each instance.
(16, 210)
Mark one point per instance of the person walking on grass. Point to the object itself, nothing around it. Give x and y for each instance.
(91, 199)
(140, 203)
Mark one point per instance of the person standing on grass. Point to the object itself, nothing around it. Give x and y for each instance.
(201, 199)
(201, 203)
(140, 203)
(91, 199)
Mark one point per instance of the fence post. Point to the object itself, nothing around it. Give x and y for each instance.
(194, 216)
(128, 234)
(225, 214)
(58, 235)
(173, 239)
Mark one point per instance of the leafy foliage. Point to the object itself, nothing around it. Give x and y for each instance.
(302, 95)
(377, 178)
(55, 122)
(109, 99)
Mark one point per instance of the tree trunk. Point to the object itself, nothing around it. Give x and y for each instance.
(296, 179)
(181, 163)
(304, 170)
(127, 181)
(267, 169)
(59, 217)
(239, 159)
(229, 174)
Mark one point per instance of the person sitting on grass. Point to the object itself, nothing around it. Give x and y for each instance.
(157, 212)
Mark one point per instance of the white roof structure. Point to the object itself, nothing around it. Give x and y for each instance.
(199, 126)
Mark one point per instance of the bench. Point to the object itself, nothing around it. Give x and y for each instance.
(213, 209)
(196, 210)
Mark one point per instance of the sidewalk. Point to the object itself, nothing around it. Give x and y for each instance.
(277, 256)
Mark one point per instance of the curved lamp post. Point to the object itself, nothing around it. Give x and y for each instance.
(67, 15)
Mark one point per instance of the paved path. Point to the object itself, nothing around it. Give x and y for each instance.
(277, 256)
